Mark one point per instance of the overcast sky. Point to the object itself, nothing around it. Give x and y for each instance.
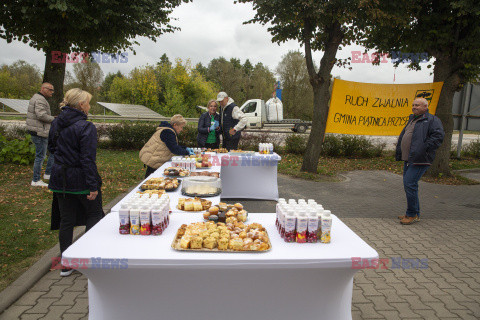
(213, 28)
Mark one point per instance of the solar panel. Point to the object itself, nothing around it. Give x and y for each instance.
(21, 106)
(130, 110)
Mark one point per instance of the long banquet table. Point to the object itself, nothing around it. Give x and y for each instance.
(310, 280)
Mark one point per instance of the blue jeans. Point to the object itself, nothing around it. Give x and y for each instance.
(40, 153)
(411, 175)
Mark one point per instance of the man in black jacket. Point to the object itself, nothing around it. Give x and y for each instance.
(416, 146)
(232, 121)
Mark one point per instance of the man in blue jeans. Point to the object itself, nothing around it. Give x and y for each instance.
(416, 146)
(39, 118)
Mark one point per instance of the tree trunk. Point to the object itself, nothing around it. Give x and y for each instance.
(320, 82)
(445, 71)
(55, 74)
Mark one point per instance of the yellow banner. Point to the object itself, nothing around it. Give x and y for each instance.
(376, 109)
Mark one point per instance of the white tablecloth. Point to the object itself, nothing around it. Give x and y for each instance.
(172, 195)
(250, 176)
(311, 281)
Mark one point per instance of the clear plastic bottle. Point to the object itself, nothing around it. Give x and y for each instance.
(302, 226)
(124, 217)
(135, 220)
(326, 226)
(157, 220)
(145, 221)
(290, 226)
(312, 229)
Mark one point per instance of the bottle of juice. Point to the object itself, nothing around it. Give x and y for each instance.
(145, 221)
(312, 229)
(290, 226)
(302, 226)
(319, 210)
(135, 220)
(124, 217)
(157, 220)
(326, 226)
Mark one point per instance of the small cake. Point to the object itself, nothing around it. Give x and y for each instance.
(213, 210)
(196, 243)
(223, 244)
(236, 244)
(210, 243)
(185, 242)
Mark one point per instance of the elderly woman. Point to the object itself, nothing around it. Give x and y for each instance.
(163, 145)
(75, 181)
(209, 127)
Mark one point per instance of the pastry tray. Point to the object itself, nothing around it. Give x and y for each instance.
(219, 191)
(176, 246)
(167, 190)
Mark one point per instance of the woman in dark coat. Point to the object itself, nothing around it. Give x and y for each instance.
(74, 181)
(209, 127)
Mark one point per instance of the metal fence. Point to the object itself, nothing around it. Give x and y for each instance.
(466, 108)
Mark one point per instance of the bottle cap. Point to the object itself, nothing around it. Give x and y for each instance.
(326, 213)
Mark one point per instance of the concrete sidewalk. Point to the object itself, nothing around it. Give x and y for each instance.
(448, 236)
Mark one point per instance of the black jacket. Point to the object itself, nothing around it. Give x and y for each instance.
(427, 136)
(228, 122)
(204, 124)
(170, 139)
(74, 150)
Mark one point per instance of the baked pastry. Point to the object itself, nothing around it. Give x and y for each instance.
(185, 242)
(196, 243)
(210, 243)
(223, 244)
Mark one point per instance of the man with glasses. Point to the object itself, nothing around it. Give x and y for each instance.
(38, 125)
(416, 146)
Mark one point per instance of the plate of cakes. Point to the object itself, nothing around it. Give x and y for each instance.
(167, 184)
(234, 236)
(193, 204)
(225, 213)
(176, 172)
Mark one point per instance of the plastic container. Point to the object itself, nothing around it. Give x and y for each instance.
(302, 226)
(326, 227)
(290, 226)
(124, 217)
(135, 220)
(312, 229)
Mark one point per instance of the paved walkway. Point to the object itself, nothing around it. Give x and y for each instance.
(448, 237)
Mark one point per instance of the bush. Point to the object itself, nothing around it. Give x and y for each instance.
(351, 146)
(472, 149)
(17, 151)
(332, 146)
(296, 144)
(127, 135)
(188, 136)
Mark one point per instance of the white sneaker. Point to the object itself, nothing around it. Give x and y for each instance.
(38, 183)
(66, 272)
(46, 176)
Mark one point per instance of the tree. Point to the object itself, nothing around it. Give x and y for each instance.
(297, 93)
(20, 80)
(317, 25)
(260, 85)
(445, 30)
(89, 75)
(228, 78)
(59, 27)
(107, 83)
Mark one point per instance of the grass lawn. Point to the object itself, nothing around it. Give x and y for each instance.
(25, 232)
(329, 168)
(25, 211)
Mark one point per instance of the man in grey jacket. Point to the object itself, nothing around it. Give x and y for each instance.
(39, 118)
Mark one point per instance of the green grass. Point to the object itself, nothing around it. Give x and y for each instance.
(329, 168)
(25, 232)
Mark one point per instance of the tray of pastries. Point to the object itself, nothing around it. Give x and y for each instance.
(223, 212)
(205, 174)
(219, 150)
(176, 172)
(193, 204)
(151, 192)
(240, 151)
(234, 236)
(167, 184)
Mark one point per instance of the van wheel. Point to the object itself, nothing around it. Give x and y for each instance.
(301, 128)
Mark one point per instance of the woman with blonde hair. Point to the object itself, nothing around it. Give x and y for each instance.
(75, 181)
(209, 127)
(163, 145)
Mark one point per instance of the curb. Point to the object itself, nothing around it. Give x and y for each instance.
(28, 279)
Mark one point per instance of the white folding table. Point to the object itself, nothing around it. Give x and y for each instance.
(291, 281)
(250, 176)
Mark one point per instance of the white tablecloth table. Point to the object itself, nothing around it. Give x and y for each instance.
(250, 176)
(291, 281)
(174, 195)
